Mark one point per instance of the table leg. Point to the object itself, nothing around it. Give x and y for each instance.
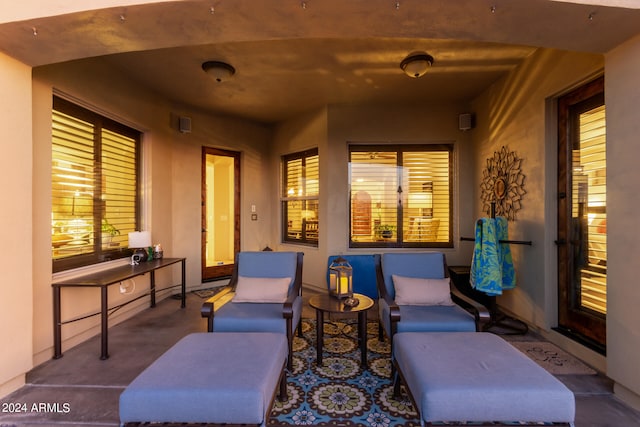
(152, 285)
(183, 304)
(362, 336)
(319, 336)
(57, 326)
(105, 325)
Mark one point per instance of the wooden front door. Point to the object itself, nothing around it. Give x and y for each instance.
(582, 215)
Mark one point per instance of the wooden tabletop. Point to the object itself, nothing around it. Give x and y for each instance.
(116, 274)
(329, 303)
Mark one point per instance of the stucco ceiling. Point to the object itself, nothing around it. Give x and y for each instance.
(293, 56)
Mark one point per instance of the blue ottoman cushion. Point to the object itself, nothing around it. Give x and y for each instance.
(475, 376)
(209, 378)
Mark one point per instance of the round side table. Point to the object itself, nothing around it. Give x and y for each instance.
(325, 303)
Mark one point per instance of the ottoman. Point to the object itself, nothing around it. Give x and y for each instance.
(213, 378)
(478, 377)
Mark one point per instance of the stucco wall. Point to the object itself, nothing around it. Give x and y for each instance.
(512, 113)
(416, 123)
(301, 133)
(622, 97)
(16, 308)
(171, 191)
(331, 130)
(523, 122)
(30, 9)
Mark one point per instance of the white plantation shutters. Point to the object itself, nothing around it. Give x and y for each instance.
(400, 195)
(300, 197)
(94, 186)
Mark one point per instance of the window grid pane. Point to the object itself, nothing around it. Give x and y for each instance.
(427, 215)
(374, 196)
(590, 172)
(72, 184)
(119, 188)
(300, 197)
(94, 187)
(400, 196)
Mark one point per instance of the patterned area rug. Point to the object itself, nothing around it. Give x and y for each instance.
(341, 392)
(552, 358)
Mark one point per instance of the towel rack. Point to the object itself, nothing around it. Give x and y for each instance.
(515, 242)
(493, 215)
(498, 318)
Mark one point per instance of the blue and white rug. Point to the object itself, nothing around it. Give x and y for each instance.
(341, 392)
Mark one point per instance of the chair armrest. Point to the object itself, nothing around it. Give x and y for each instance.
(287, 307)
(296, 289)
(479, 311)
(394, 310)
(207, 311)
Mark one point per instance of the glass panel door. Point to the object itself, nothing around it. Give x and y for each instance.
(582, 216)
(220, 213)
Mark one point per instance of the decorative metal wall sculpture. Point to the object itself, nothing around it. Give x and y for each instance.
(503, 184)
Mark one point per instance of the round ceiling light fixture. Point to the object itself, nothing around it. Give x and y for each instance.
(416, 64)
(220, 71)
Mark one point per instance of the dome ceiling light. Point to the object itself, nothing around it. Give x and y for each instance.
(416, 64)
(221, 71)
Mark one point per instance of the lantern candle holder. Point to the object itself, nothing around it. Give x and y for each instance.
(341, 281)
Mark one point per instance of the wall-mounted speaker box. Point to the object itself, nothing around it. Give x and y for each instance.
(466, 121)
(184, 124)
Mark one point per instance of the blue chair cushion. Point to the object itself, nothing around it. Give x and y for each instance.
(255, 317)
(209, 378)
(364, 273)
(268, 264)
(427, 265)
(478, 376)
(436, 318)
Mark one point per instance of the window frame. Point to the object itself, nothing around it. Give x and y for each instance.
(99, 254)
(400, 149)
(285, 198)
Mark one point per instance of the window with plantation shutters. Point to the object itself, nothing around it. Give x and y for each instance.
(400, 195)
(94, 186)
(590, 201)
(300, 196)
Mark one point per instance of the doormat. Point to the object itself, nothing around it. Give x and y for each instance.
(208, 293)
(552, 358)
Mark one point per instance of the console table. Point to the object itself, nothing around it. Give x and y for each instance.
(102, 280)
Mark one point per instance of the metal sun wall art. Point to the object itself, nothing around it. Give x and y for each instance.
(503, 184)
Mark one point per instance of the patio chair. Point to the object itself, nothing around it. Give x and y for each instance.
(416, 295)
(268, 296)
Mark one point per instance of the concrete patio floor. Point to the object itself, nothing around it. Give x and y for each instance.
(81, 390)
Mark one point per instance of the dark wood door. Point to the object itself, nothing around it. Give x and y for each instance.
(582, 253)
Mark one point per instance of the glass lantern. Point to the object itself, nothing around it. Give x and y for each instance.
(341, 281)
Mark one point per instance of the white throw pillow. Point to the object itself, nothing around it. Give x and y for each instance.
(261, 289)
(418, 291)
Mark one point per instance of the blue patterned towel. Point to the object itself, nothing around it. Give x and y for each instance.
(486, 273)
(504, 254)
(492, 266)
